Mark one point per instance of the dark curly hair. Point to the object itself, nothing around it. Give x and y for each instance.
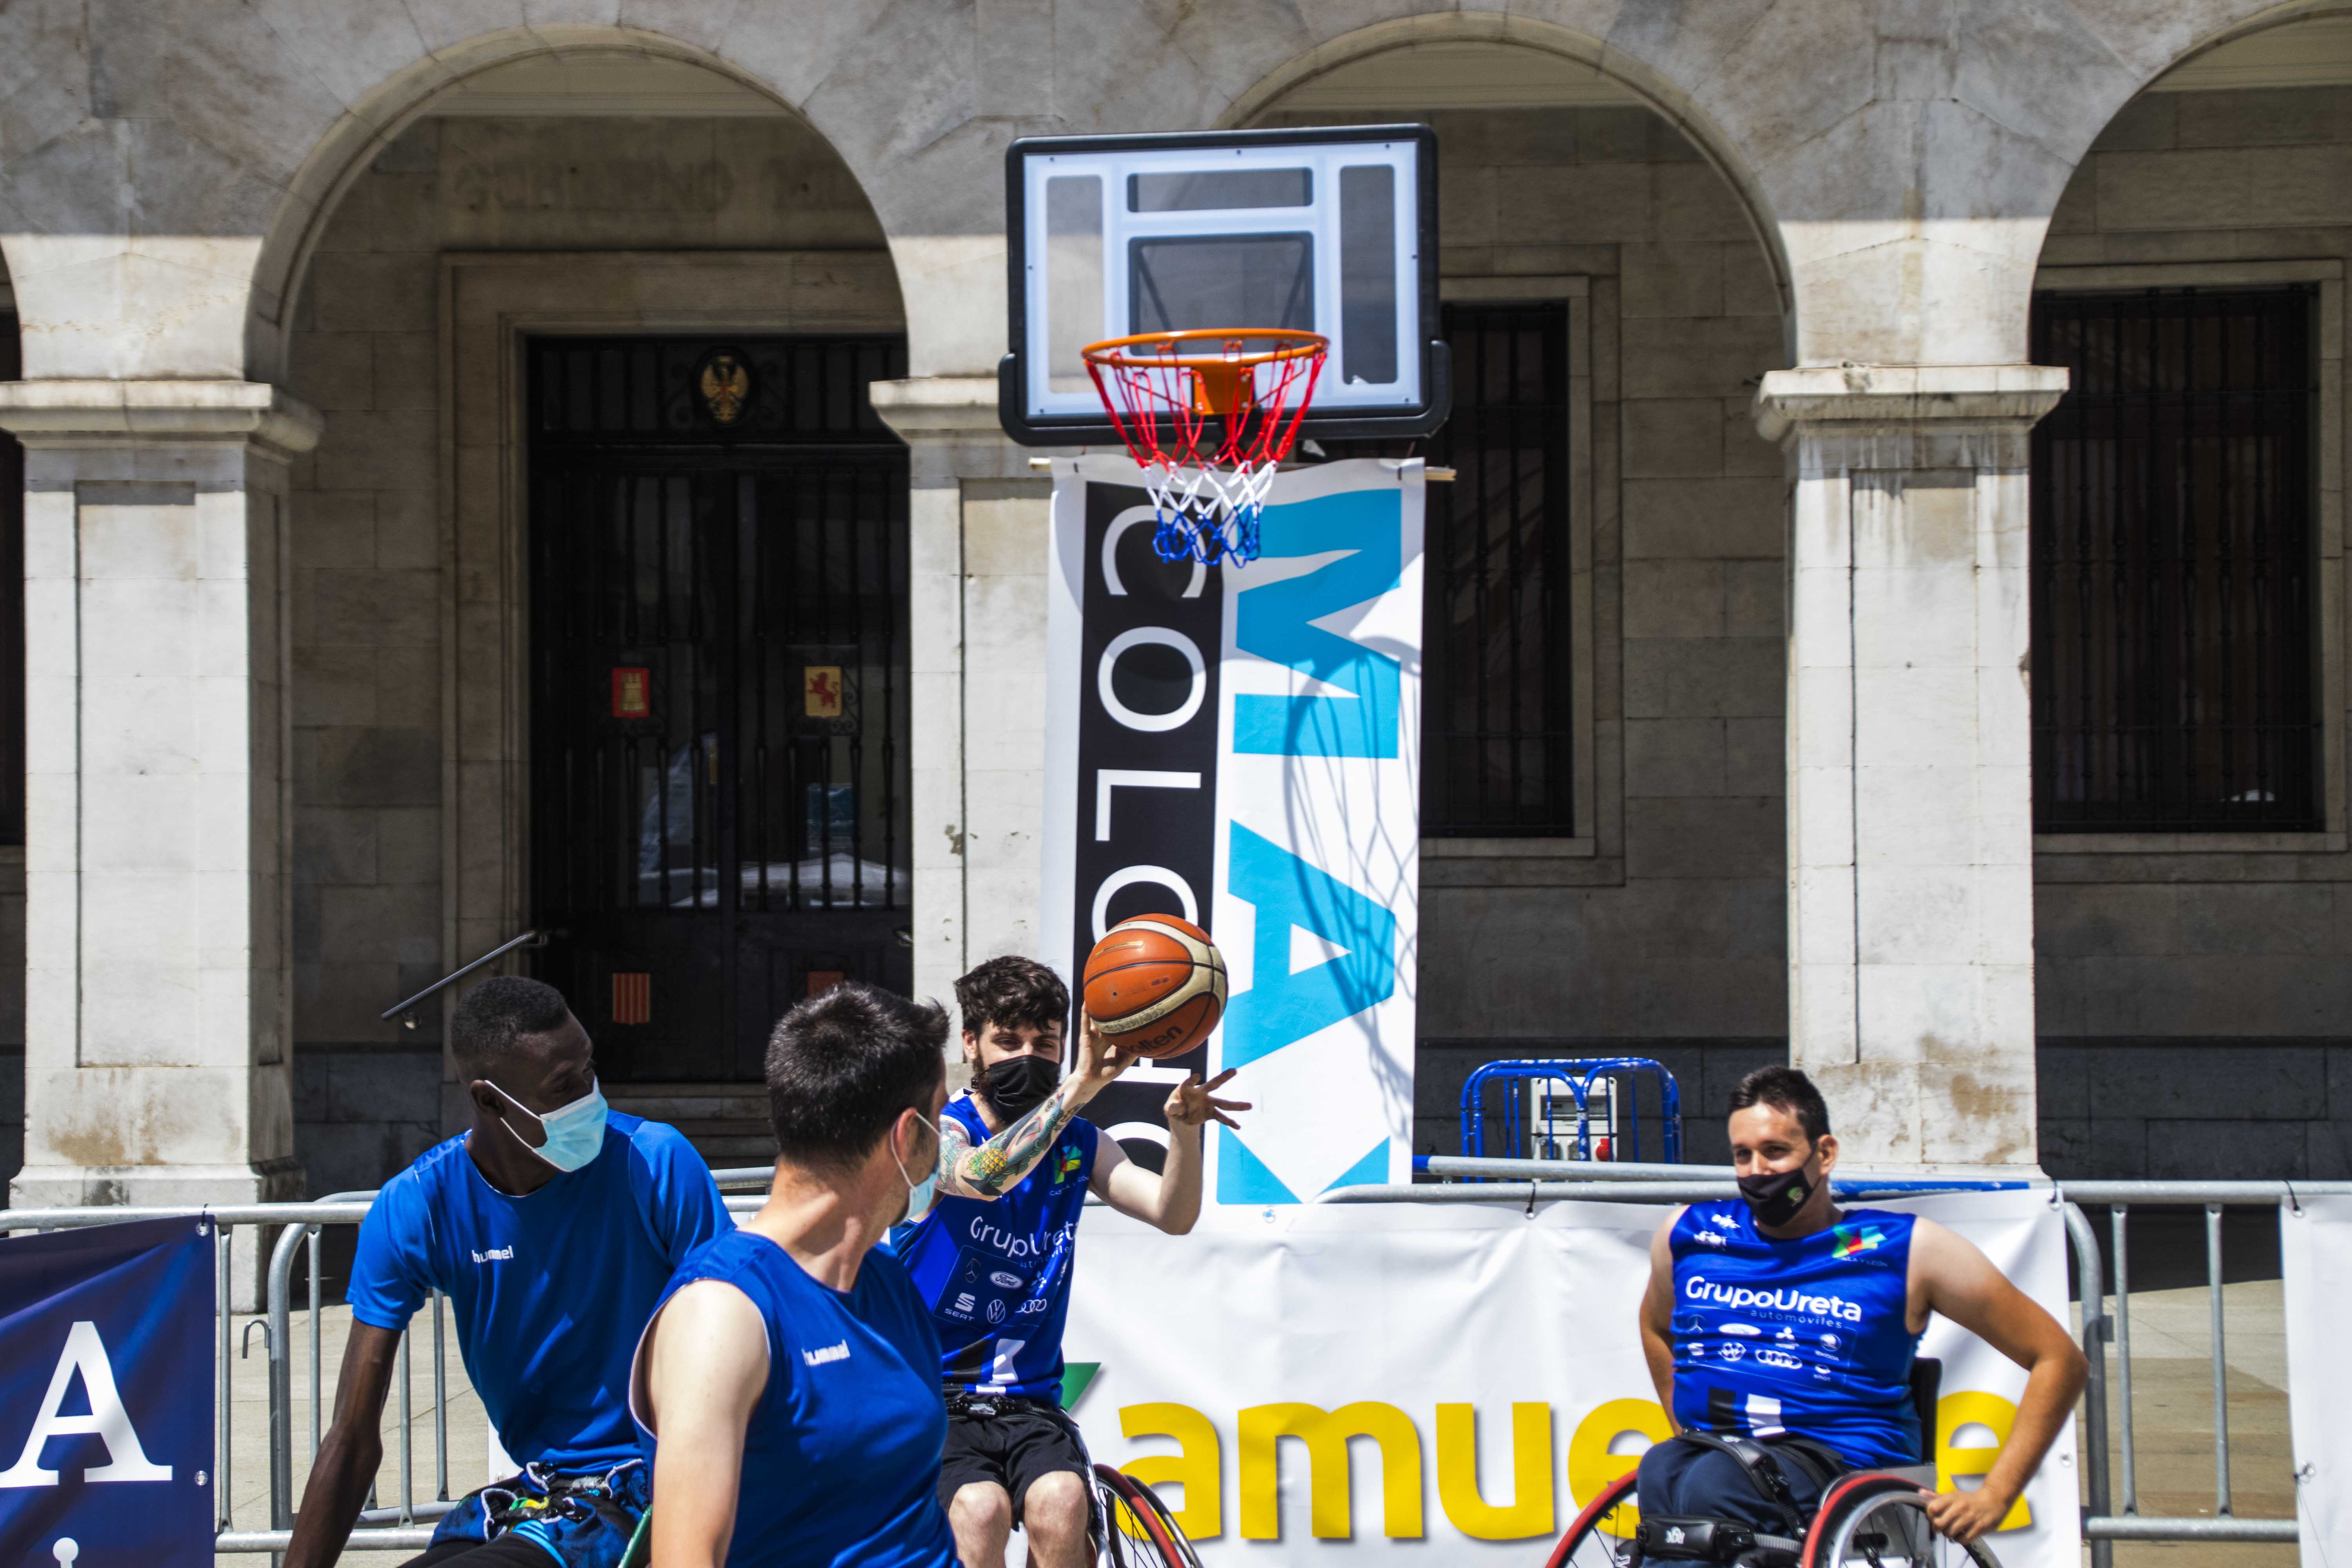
(1012, 991)
(494, 1017)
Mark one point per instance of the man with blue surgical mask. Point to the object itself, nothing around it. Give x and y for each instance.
(552, 1224)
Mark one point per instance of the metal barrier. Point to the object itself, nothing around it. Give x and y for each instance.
(1579, 1075)
(404, 1527)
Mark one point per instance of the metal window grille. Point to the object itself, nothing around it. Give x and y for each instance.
(2173, 577)
(1498, 752)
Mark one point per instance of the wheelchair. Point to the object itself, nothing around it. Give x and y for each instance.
(1137, 1530)
(1866, 1518)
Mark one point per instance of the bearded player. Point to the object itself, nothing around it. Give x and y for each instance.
(996, 1275)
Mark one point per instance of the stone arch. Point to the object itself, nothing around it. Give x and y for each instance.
(372, 124)
(1661, 94)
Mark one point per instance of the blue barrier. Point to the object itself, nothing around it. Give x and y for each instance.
(1578, 1076)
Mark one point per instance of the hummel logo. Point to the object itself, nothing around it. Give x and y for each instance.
(829, 1353)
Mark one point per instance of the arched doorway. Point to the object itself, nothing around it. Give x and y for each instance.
(599, 496)
(1602, 751)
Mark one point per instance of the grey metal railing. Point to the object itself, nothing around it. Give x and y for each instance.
(405, 1525)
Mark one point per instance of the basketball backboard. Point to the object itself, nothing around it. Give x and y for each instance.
(1330, 230)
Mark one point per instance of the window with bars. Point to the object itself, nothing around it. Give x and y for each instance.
(2173, 577)
(1498, 758)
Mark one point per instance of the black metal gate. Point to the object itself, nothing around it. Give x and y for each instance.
(2174, 575)
(718, 687)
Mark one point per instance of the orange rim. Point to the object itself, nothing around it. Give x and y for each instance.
(1293, 344)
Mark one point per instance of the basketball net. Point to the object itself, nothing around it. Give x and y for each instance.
(1209, 430)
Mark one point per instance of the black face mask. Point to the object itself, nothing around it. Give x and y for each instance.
(1019, 1085)
(1775, 1199)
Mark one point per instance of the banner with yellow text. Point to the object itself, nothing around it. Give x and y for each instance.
(1396, 1375)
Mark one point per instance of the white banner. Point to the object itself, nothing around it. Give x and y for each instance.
(1241, 745)
(1465, 1375)
(2316, 1263)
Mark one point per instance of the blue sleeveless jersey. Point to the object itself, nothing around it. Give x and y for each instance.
(997, 1276)
(1805, 1336)
(841, 1459)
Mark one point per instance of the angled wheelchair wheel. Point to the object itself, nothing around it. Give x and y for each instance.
(1602, 1535)
(1137, 1530)
(1878, 1522)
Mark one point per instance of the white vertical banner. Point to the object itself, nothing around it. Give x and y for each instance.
(2316, 1266)
(1241, 745)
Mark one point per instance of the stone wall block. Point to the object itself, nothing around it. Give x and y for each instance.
(375, 767)
(408, 527)
(1684, 280)
(333, 527)
(407, 687)
(360, 923)
(1755, 598)
(1714, 357)
(408, 846)
(1673, 757)
(2220, 1151)
(1726, 678)
(2077, 920)
(2149, 121)
(376, 609)
(1673, 598)
(1716, 839)
(335, 845)
(1755, 756)
(1673, 438)
(335, 371)
(374, 292)
(2251, 918)
(2267, 117)
(1680, 519)
(407, 370)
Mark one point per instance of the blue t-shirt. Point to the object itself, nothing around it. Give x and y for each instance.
(997, 1276)
(549, 1290)
(1809, 1336)
(841, 1459)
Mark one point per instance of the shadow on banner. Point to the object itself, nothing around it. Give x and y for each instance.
(106, 1396)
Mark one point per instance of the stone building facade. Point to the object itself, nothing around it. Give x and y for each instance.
(280, 273)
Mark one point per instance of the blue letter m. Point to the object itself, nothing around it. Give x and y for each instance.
(1276, 623)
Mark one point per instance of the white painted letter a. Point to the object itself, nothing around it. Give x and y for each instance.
(126, 1461)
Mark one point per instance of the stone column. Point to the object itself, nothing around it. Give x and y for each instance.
(976, 611)
(158, 775)
(1910, 799)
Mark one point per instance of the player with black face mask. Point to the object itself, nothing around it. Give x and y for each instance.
(1778, 1320)
(997, 1276)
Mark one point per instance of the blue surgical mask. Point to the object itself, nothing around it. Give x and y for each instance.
(920, 1194)
(575, 1132)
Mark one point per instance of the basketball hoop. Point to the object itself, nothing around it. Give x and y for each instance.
(1208, 429)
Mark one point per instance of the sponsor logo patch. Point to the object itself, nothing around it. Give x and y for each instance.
(828, 1355)
(1006, 1281)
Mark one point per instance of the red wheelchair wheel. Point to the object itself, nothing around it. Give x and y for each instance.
(1602, 1535)
(1165, 1538)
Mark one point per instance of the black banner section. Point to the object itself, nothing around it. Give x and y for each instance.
(1151, 631)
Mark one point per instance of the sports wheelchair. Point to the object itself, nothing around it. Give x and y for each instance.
(1874, 1518)
(1137, 1530)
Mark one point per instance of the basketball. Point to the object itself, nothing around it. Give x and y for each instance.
(1156, 985)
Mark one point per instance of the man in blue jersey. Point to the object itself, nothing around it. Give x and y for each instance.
(1778, 1314)
(552, 1225)
(996, 1276)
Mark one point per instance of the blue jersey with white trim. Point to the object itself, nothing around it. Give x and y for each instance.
(1808, 1336)
(997, 1275)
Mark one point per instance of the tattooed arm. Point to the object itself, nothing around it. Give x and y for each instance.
(989, 1170)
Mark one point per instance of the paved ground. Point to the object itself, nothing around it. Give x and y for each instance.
(2172, 1425)
(2171, 1398)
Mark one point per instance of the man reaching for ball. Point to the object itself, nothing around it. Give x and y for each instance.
(997, 1275)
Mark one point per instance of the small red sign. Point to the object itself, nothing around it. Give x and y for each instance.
(633, 692)
(632, 998)
(820, 691)
(821, 980)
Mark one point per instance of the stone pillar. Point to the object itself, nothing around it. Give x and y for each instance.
(978, 557)
(157, 793)
(1910, 799)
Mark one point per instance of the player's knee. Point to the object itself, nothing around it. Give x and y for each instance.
(982, 1505)
(1055, 1505)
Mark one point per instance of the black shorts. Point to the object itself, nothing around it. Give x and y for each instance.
(1024, 1440)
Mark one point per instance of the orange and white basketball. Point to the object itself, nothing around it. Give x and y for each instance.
(1156, 985)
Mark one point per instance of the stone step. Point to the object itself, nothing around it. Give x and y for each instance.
(725, 1122)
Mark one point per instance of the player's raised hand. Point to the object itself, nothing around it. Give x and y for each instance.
(1192, 1103)
(1100, 1059)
